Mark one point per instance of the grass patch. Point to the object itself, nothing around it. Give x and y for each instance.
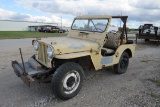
(27, 34)
(157, 82)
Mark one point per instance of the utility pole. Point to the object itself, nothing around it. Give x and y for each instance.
(120, 20)
(61, 22)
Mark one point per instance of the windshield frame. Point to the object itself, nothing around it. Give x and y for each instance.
(92, 23)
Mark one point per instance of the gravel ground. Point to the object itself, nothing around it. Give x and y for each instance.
(138, 87)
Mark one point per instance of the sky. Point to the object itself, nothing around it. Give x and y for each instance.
(51, 11)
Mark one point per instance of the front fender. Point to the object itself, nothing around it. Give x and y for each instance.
(72, 55)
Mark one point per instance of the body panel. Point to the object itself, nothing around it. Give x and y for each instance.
(63, 45)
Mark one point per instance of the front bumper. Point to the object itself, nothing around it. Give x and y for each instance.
(30, 70)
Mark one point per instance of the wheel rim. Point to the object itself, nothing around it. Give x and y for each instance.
(71, 82)
(124, 63)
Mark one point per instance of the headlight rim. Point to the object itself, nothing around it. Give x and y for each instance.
(35, 47)
(51, 52)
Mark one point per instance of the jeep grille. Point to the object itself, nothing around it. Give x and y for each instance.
(42, 52)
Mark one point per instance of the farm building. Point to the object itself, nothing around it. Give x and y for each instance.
(10, 25)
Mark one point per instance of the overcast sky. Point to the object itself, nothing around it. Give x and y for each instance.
(139, 11)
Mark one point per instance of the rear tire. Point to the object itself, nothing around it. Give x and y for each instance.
(67, 80)
(146, 40)
(122, 66)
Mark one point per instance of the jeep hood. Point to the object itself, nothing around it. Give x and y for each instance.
(64, 45)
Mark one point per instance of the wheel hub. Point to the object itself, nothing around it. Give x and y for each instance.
(71, 82)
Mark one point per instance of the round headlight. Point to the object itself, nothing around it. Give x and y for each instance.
(35, 45)
(50, 51)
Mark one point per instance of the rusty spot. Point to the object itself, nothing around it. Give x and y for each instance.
(59, 51)
(117, 54)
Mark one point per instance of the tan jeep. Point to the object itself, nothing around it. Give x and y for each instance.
(88, 45)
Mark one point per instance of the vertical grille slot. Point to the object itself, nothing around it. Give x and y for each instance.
(42, 51)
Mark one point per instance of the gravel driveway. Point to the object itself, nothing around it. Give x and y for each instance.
(139, 86)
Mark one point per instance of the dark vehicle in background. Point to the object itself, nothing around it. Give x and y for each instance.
(54, 29)
(57, 30)
(44, 30)
(47, 30)
(147, 32)
(41, 29)
(62, 31)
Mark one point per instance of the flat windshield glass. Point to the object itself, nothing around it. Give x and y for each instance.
(92, 25)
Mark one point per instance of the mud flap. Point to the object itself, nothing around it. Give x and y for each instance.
(19, 71)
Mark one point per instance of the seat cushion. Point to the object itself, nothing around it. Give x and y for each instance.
(109, 51)
(113, 41)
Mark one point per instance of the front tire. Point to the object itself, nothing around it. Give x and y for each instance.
(122, 66)
(67, 80)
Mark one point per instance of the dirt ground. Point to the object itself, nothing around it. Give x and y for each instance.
(139, 86)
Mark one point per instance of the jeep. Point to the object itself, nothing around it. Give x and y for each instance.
(88, 45)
